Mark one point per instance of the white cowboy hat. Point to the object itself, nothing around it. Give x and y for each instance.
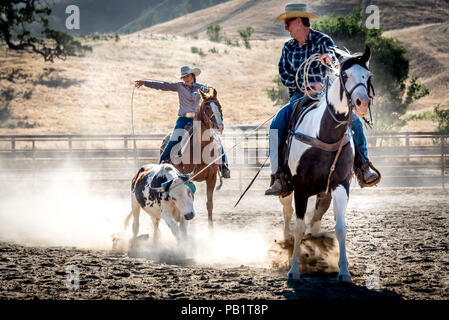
(186, 70)
(295, 10)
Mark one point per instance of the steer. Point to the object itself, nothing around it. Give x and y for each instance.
(162, 192)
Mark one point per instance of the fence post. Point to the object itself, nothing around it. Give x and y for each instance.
(407, 148)
(125, 146)
(33, 147)
(70, 144)
(13, 144)
(246, 152)
(240, 178)
(442, 162)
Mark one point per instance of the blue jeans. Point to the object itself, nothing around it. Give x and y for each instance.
(278, 132)
(180, 124)
(359, 137)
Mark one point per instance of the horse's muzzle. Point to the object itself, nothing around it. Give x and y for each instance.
(362, 107)
(189, 216)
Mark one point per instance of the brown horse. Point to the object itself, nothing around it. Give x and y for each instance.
(210, 121)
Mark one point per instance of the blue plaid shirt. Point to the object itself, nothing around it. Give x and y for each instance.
(293, 55)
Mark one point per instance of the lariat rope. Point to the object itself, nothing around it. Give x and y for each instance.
(136, 158)
(235, 145)
(306, 88)
(212, 162)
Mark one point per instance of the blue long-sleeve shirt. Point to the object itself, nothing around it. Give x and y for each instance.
(294, 55)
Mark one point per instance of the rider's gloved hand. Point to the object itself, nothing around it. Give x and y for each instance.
(326, 59)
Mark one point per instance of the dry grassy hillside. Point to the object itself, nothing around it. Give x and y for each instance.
(428, 49)
(260, 14)
(93, 94)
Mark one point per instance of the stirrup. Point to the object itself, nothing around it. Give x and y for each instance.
(360, 179)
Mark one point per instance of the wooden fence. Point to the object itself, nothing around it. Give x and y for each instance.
(405, 159)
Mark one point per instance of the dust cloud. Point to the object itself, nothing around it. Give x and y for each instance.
(62, 208)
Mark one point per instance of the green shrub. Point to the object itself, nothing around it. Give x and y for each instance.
(245, 34)
(96, 36)
(198, 51)
(231, 43)
(389, 64)
(440, 116)
(213, 32)
(278, 94)
(213, 50)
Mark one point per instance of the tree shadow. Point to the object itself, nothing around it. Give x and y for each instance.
(5, 114)
(14, 75)
(326, 286)
(51, 80)
(7, 119)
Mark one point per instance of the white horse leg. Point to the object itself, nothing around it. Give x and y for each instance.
(300, 228)
(340, 200)
(287, 209)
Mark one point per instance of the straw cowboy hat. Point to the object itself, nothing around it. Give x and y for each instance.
(295, 10)
(186, 70)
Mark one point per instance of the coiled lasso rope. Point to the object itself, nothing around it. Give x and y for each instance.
(306, 88)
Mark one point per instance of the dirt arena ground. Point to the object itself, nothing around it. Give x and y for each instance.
(397, 242)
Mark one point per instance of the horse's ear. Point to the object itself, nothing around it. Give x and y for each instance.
(202, 94)
(215, 93)
(366, 55)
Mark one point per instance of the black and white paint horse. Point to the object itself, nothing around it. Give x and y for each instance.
(310, 165)
(162, 192)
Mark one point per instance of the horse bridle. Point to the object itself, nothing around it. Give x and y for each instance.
(348, 94)
(215, 111)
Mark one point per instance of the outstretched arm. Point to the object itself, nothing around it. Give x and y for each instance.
(159, 85)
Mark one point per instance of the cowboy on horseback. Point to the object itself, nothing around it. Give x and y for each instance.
(304, 43)
(189, 102)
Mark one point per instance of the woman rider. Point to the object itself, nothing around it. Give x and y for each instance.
(189, 103)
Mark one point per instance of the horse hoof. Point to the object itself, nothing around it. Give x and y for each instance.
(344, 278)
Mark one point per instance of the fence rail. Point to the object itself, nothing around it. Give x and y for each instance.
(410, 158)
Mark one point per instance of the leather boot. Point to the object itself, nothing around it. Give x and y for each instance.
(368, 175)
(276, 188)
(225, 172)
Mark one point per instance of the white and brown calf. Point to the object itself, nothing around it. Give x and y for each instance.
(162, 192)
